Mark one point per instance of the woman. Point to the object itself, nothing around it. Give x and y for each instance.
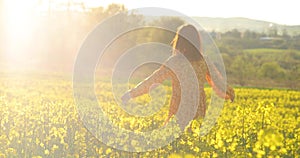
(191, 49)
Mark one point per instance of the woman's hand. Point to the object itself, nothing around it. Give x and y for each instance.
(126, 97)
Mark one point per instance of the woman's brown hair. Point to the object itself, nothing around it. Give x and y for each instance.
(187, 41)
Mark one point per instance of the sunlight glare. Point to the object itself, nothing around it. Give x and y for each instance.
(19, 23)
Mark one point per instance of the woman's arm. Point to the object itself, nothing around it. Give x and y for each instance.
(143, 87)
(222, 91)
(157, 76)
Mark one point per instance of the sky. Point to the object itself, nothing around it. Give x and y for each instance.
(277, 11)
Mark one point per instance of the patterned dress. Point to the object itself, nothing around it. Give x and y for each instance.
(164, 72)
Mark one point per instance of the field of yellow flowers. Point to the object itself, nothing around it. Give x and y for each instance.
(38, 118)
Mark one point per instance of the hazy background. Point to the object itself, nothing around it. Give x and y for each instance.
(259, 40)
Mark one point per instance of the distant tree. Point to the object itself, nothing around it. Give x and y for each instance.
(293, 77)
(272, 70)
(285, 33)
(235, 33)
(273, 30)
(249, 35)
(166, 36)
(114, 8)
(99, 13)
(242, 69)
(96, 15)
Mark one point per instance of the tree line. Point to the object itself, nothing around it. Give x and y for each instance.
(260, 59)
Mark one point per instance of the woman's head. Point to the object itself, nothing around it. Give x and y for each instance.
(187, 41)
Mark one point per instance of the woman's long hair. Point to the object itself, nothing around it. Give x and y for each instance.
(187, 41)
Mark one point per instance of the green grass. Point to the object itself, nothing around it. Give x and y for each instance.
(268, 50)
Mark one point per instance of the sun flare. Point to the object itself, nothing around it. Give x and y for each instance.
(19, 23)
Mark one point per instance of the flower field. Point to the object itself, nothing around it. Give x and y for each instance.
(38, 118)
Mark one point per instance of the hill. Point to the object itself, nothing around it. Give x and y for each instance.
(242, 24)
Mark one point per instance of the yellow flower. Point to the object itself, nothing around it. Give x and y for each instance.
(46, 152)
(174, 156)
